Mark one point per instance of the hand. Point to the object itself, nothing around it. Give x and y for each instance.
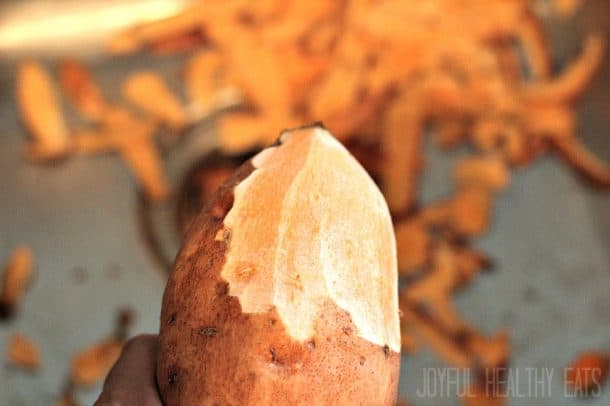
(132, 380)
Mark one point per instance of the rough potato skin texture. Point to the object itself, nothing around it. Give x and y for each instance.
(211, 353)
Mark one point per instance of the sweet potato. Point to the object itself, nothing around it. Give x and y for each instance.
(285, 290)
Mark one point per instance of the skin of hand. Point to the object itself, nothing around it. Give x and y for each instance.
(131, 381)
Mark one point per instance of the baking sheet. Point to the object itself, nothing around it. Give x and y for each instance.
(550, 240)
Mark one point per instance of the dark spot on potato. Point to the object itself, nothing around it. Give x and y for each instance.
(272, 321)
(222, 204)
(208, 331)
(311, 345)
(273, 354)
(386, 350)
(347, 330)
(362, 360)
(172, 319)
(222, 289)
(172, 378)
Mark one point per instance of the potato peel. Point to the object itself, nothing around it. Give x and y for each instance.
(583, 161)
(142, 157)
(413, 244)
(486, 172)
(471, 211)
(572, 83)
(118, 130)
(587, 372)
(41, 112)
(535, 43)
(81, 90)
(23, 353)
(17, 275)
(149, 92)
(93, 363)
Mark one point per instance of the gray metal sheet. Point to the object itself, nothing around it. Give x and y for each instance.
(551, 239)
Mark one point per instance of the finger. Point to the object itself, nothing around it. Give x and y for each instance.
(132, 379)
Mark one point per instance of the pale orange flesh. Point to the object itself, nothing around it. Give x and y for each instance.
(313, 226)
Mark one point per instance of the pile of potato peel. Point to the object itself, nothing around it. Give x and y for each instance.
(381, 75)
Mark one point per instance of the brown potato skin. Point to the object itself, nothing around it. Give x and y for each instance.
(211, 353)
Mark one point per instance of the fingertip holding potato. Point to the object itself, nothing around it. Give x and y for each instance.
(297, 303)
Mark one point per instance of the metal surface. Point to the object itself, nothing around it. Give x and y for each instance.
(550, 239)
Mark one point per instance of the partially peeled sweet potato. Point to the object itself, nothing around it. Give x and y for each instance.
(285, 290)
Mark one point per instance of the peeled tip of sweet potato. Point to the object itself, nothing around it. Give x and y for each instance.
(285, 290)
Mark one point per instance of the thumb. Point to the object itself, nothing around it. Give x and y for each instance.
(131, 381)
